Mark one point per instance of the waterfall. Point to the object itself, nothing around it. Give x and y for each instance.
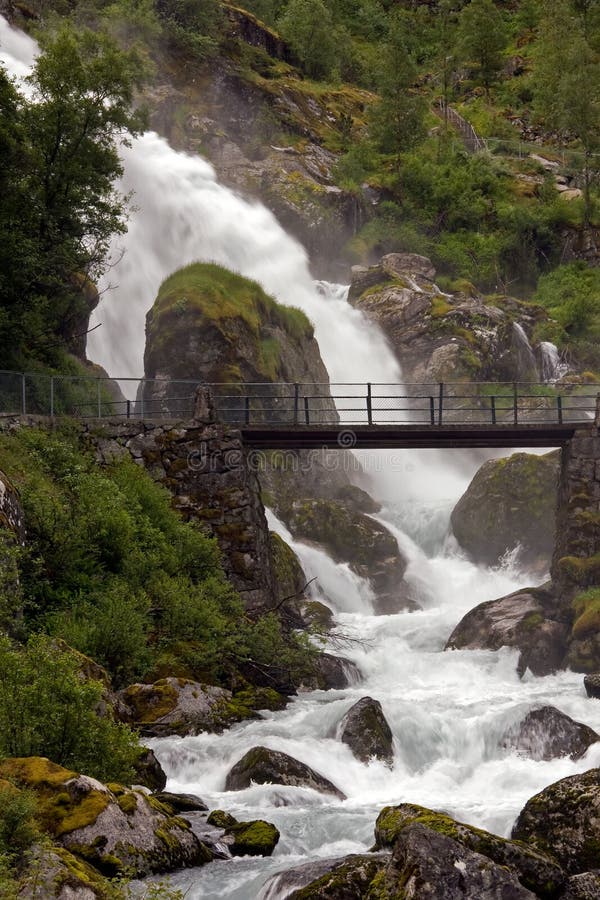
(553, 367)
(526, 364)
(447, 711)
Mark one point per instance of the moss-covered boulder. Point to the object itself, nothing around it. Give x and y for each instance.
(254, 838)
(212, 325)
(264, 766)
(178, 706)
(548, 733)
(564, 820)
(113, 828)
(510, 503)
(366, 731)
(55, 874)
(181, 802)
(524, 620)
(347, 879)
(535, 870)
(353, 537)
(332, 673)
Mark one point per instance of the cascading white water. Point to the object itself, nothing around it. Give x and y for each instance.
(447, 710)
(553, 367)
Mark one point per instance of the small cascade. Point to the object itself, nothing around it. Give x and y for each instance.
(526, 364)
(553, 368)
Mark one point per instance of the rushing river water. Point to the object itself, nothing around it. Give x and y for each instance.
(447, 710)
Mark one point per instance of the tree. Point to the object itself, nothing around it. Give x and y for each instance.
(398, 120)
(63, 159)
(482, 39)
(307, 26)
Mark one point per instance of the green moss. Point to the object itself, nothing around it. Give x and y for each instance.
(221, 819)
(148, 706)
(532, 621)
(581, 570)
(439, 306)
(258, 838)
(587, 614)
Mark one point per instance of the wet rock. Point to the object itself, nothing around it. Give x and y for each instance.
(510, 503)
(347, 879)
(432, 866)
(116, 830)
(582, 887)
(357, 499)
(522, 620)
(534, 870)
(317, 615)
(333, 673)
(264, 766)
(564, 820)
(177, 706)
(55, 873)
(365, 730)
(592, 685)
(255, 838)
(548, 733)
(287, 883)
(149, 772)
(181, 802)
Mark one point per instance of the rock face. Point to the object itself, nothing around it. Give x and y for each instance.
(348, 536)
(564, 820)
(343, 879)
(548, 733)
(510, 502)
(365, 730)
(535, 871)
(115, 830)
(582, 887)
(442, 337)
(592, 685)
(176, 706)
(524, 620)
(149, 772)
(264, 766)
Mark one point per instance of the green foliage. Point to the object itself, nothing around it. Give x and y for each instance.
(48, 709)
(482, 39)
(60, 207)
(18, 828)
(192, 26)
(571, 294)
(308, 28)
(586, 607)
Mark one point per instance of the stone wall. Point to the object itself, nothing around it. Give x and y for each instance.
(204, 466)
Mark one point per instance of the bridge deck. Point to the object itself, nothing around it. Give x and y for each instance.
(372, 437)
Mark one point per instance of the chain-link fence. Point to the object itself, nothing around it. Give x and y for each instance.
(490, 403)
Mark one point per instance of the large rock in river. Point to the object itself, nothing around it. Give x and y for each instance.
(366, 731)
(548, 733)
(265, 766)
(115, 829)
(510, 503)
(564, 820)
(523, 620)
(177, 706)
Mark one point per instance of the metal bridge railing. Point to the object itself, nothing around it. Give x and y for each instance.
(485, 403)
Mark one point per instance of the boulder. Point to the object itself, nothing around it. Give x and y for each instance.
(310, 876)
(177, 706)
(582, 887)
(255, 838)
(522, 620)
(346, 879)
(181, 802)
(564, 820)
(510, 503)
(264, 766)
(365, 730)
(433, 866)
(548, 733)
(592, 685)
(55, 873)
(334, 673)
(149, 772)
(535, 870)
(355, 538)
(115, 829)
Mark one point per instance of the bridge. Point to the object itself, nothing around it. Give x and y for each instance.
(334, 416)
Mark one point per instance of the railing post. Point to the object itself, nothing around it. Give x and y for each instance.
(306, 411)
(52, 396)
(247, 410)
(129, 409)
(441, 403)
(143, 384)
(493, 399)
(296, 400)
(99, 398)
(432, 410)
(560, 409)
(23, 396)
(369, 405)
(515, 404)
